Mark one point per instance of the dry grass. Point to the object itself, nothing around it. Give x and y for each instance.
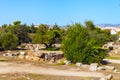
(25, 76)
(111, 57)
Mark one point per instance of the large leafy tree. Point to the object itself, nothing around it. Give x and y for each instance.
(20, 30)
(8, 41)
(17, 22)
(47, 36)
(80, 45)
(89, 25)
(32, 29)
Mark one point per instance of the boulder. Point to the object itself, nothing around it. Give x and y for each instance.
(36, 58)
(52, 60)
(67, 62)
(4, 54)
(110, 67)
(15, 54)
(30, 54)
(101, 68)
(78, 64)
(21, 56)
(102, 79)
(115, 70)
(30, 58)
(22, 53)
(41, 59)
(9, 54)
(93, 66)
(109, 77)
(26, 57)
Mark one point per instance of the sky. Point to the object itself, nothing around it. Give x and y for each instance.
(61, 12)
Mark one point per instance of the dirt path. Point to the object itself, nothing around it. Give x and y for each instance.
(6, 67)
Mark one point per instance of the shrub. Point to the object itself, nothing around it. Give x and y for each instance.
(80, 46)
(9, 41)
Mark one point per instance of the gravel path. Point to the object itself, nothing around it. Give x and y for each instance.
(6, 67)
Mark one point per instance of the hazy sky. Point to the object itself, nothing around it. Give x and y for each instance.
(62, 12)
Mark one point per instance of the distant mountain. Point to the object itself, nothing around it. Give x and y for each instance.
(108, 25)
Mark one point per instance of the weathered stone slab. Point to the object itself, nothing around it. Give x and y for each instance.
(36, 58)
(21, 57)
(93, 66)
(110, 67)
(109, 77)
(101, 68)
(78, 64)
(67, 62)
(22, 53)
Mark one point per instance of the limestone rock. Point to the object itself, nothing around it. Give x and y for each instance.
(109, 77)
(110, 67)
(93, 66)
(78, 64)
(21, 56)
(101, 68)
(67, 62)
(36, 58)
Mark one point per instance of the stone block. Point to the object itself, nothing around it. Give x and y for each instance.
(102, 79)
(67, 62)
(93, 67)
(36, 58)
(78, 64)
(101, 68)
(115, 70)
(9, 54)
(41, 59)
(109, 77)
(26, 57)
(30, 54)
(22, 53)
(4, 54)
(21, 57)
(110, 67)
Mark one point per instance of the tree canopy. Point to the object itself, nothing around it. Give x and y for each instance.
(47, 36)
(83, 45)
(8, 41)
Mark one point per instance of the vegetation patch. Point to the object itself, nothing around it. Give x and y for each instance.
(115, 58)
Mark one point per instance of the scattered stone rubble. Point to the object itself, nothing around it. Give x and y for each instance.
(40, 55)
(11, 54)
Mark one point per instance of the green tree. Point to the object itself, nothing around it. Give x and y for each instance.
(40, 34)
(0, 41)
(56, 27)
(32, 29)
(17, 22)
(89, 25)
(21, 31)
(46, 36)
(9, 41)
(79, 46)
